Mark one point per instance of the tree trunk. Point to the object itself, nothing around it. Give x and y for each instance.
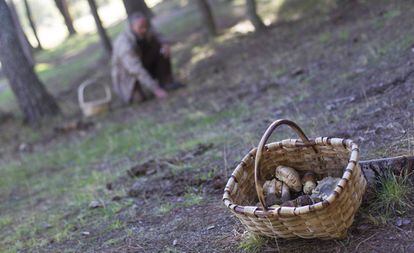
(253, 16)
(132, 6)
(32, 23)
(377, 168)
(207, 15)
(24, 42)
(33, 99)
(64, 10)
(106, 42)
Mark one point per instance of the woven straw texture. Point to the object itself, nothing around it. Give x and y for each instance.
(324, 156)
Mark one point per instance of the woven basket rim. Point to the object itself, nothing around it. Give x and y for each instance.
(296, 211)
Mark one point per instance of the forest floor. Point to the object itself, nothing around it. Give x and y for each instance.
(345, 72)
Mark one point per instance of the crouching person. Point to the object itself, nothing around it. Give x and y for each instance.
(141, 65)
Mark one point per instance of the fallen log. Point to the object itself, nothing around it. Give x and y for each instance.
(376, 168)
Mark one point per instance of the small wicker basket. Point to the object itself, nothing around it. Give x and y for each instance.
(91, 108)
(324, 156)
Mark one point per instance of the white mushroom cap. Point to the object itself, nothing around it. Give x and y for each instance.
(308, 187)
(272, 186)
(309, 182)
(290, 177)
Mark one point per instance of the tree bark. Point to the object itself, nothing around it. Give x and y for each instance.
(64, 10)
(207, 15)
(32, 23)
(132, 6)
(253, 16)
(106, 42)
(399, 165)
(33, 99)
(24, 42)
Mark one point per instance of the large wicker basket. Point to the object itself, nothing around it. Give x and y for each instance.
(325, 156)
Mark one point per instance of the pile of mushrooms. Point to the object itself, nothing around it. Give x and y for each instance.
(287, 184)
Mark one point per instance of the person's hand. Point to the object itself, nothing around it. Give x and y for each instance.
(160, 93)
(166, 50)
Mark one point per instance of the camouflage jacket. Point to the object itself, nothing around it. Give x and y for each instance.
(127, 67)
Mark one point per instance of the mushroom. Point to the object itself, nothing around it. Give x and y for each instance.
(274, 207)
(272, 189)
(309, 182)
(272, 186)
(285, 193)
(290, 177)
(303, 200)
(325, 187)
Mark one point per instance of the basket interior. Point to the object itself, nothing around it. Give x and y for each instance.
(329, 161)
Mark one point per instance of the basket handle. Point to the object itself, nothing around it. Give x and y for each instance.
(81, 91)
(257, 174)
(84, 85)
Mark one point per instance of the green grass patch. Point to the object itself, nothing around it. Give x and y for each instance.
(165, 208)
(208, 175)
(192, 199)
(325, 37)
(61, 75)
(344, 35)
(5, 221)
(66, 175)
(75, 44)
(393, 195)
(114, 142)
(117, 224)
(392, 14)
(391, 198)
(252, 243)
